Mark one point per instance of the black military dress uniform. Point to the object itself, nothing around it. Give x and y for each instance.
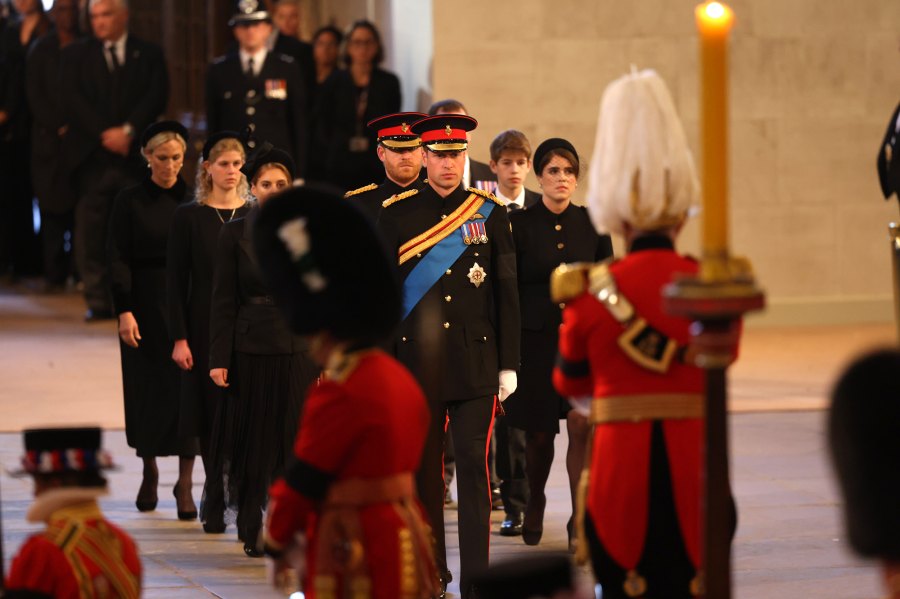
(394, 135)
(472, 315)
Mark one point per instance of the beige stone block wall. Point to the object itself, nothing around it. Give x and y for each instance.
(813, 83)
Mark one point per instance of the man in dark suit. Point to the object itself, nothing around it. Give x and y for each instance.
(114, 86)
(399, 149)
(888, 161)
(258, 90)
(457, 261)
(283, 39)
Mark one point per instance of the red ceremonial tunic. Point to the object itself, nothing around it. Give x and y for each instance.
(81, 555)
(618, 494)
(369, 424)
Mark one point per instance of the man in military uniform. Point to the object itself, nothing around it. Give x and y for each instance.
(79, 553)
(888, 161)
(258, 90)
(458, 266)
(399, 149)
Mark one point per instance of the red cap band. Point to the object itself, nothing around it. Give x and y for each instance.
(445, 134)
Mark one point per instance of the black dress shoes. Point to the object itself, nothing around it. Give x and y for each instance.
(512, 526)
(97, 315)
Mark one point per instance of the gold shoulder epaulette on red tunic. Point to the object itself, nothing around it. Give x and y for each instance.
(354, 192)
(486, 194)
(568, 281)
(400, 196)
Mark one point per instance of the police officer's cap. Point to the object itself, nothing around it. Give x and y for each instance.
(155, 129)
(249, 11)
(303, 239)
(218, 136)
(865, 447)
(445, 132)
(268, 154)
(395, 130)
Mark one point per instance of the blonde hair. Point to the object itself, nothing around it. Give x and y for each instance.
(204, 179)
(159, 139)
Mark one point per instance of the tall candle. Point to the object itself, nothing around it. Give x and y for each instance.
(714, 22)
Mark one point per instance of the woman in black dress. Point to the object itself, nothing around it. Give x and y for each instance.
(254, 353)
(139, 231)
(221, 196)
(348, 100)
(549, 233)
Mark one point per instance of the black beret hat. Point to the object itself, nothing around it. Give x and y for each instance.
(864, 435)
(326, 266)
(546, 146)
(526, 578)
(268, 154)
(218, 136)
(154, 129)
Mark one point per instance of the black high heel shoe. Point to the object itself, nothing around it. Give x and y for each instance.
(187, 514)
(570, 528)
(532, 536)
(143, 503)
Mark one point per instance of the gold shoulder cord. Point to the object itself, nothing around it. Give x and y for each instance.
(354, 192)
(400, 196)
(487, 195)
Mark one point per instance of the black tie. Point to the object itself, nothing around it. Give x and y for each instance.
(115, 82)
(250, 69)
(113, 57)
(513, 207)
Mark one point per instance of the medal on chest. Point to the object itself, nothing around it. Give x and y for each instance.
(474, 233)
(477, 275)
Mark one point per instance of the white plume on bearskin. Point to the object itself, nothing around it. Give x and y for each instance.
(641, 171)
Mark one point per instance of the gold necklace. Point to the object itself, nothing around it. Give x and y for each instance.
(219, 214)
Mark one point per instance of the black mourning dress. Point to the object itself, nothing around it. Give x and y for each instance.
(545, 240)
(139, 231)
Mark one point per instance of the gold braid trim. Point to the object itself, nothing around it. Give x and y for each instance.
(354, 192)
(400, 196)
(636, 408)
(486, 194)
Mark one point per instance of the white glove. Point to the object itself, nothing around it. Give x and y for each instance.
(581, 405)
(508, 384)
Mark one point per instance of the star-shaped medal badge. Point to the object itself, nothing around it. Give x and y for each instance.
(448, 130)
(477, 275)
(404, 127)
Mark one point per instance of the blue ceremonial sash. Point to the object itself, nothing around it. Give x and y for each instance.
(434, 264)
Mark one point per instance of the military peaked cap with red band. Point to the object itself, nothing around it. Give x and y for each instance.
(395, 130)
(445, 132)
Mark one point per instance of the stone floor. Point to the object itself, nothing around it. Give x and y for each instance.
(56, 369)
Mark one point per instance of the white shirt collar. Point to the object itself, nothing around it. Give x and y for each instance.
(467, 173)
(259, 57)
(519, 200)
(119, 47)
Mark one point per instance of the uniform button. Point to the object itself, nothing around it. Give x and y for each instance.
(251, 144)
(251, 93)
(447, 298)
(560, 246)
(476, 254)
(418, 255)
(448, 272)
(484, 338)
(446, 325)
(251, 110)
(558, 227)
(443, 216)
(403, 339)
(252, 127)
(561, 306)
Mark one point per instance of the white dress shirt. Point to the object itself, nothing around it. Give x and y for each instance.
(119, 48)
(259, 57)
(519, 200)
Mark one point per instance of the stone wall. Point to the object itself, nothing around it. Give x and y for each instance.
(813, 85)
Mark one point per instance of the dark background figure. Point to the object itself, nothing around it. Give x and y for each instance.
(888, 160)
(400, 150)
(139, 231)
(472, 290)
(285, 39)
(253, 352)
(326, 43)
(348, 100)
(56, 198)
(862, 432)
(257, 89)
(221, 191)
(20, 247)
(115, 84)
(551, 232)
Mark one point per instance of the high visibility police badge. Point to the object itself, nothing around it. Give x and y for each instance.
(276, 89)
(477, 275)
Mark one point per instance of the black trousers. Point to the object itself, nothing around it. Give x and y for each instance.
(20, 246)
(511, 467)
(471, 422)
(57, 250)
(99, 180)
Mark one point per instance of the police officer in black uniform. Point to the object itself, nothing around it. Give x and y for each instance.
(458, 265)
(399, 150)
(258, 89)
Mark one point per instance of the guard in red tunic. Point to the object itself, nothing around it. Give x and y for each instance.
(628, 360)
(80, 555)
(350, 489)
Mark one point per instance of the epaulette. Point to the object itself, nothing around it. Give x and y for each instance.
(568, 281)
(400, 196)
(364, 189)
(285, 58)
(486, 194)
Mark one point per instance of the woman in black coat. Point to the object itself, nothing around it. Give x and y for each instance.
(549, 233)
(348, 100)
(221, 196)
(254, 353)
(139, 231)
